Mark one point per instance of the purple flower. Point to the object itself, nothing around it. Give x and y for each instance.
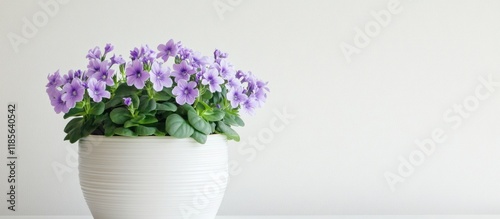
(236, 96)
(240, 74)
(97, 90)
(69, 77)
(226, 69)
(93, 67)
(73, 92)
(160, 76)
(78, 74)
(200, 60)
(185, 92)
(260, 97)
(233, 83)
(184, 52)
(136, 75)
(108, 48)
(127, 101)
(117, 60)
(55, 80)
(167, 50)
(219, 55)
(248, 106)
(105, 74)
(251, 81)
(211, 77)
(94, 53)
(57, 102)
(144, 54)
(182, 71)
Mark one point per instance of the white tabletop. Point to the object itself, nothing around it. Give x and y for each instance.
(298, 217)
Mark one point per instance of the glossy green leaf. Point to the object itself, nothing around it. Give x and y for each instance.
(228, 131)
(146, 105)
(149, 119)
(125, 132)
(72, 124)
(178, 127)
(97, 109)
(162, 96)
(167, 106)
(120, 115)
(124, 90)
(199, 123)
(199, 137)
(213, 115)
(144, 130)
(74, 112)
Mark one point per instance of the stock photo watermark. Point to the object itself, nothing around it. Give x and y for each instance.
(364, 36)
(223, 6)
(454, 117)
(31, 25)
(209, 192)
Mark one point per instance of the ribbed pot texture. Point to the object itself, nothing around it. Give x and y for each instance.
(153, 177)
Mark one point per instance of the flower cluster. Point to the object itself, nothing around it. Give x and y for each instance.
(148, 83)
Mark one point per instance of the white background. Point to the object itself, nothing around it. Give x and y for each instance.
(352, 119)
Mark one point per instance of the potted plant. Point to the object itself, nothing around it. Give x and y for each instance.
(154, 129)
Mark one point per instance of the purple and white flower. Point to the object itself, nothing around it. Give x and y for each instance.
(73, 93)
(212, 79)
(136, 75)
(127, 101)
(94, 53)
(55, 80)
(167, 50)
(105, 74)
(236, 97)
(97, 90)
(226, 69)
(182, 71)
(57, 102)
(185, 92)
(160, 76)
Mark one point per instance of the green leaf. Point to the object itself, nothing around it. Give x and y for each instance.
(74, 112)
(199, 137)
(124, 90)
(97, 109)
(114, 101)
(207, 95)
(88, 127)
(74, 123)
(160, 133)
(228, 131)
(135, 100)
(125, 132)
(162, 96)
(144, 130)
(233, 119)
(188, 107)
(130, 123)
(178, 127)
(239, 121)
(109, 128)
(120, 115)
(73, 136)
(213, 115)
(100, 119)
(199, 123)
(149, 119)
(167, 106)
(147, 105)
(212, 124)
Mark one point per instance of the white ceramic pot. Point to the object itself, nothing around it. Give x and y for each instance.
(153, 177)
